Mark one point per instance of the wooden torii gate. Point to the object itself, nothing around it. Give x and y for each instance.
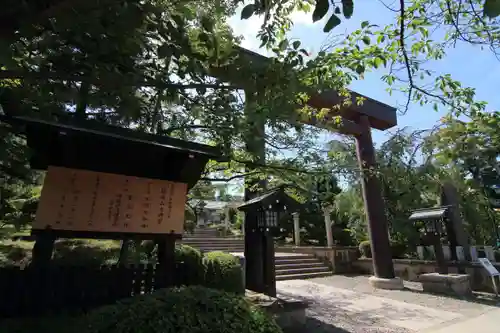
(357, 121)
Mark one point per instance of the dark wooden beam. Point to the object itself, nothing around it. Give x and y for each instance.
(346, 127)
(380, 115)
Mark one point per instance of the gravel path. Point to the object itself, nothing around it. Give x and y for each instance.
(341, 304)
(480, 303)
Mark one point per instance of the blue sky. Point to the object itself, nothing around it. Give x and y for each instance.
(468, 64)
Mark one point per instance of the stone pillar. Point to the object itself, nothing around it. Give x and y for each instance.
(243, 223)
(328, 225)
(383, 267)
(201, 218)
(490, 253)
(473, 253)
(227, 220)
(420, 252)
(296, 228)
(447, 252)
(460, 253)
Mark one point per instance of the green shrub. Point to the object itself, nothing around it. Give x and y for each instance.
(223, 271)
(398, 249)
(193, 270)
(497, 255)
(181, 310)
(343, 237)
(365, 249)
(189, 226)
(85, 252)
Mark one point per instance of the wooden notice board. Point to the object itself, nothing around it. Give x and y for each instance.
(81, 200)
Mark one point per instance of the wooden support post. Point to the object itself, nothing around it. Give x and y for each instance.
(374, 203)
(296, 228)
(254, 253)
(269, 269)
(166, 262)
(43, 248)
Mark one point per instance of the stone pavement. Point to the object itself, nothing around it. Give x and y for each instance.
(342, 304)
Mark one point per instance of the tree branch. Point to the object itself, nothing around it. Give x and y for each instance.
(233, 177)
(121, 80)
(403, 51)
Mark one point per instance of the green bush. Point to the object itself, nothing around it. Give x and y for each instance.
(365, 249)
(189, 226)
(193, 270)
(180, 310)
(223, 271)
(398, 249)
(343, 236)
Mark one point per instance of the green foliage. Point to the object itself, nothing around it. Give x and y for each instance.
(189, 226)
(170, 310)
(193, 264)
(223, 271)
(114, 50)
(399, 249)
(203, 190)
(365, 249)
(491, 8)
(189, 309)
(66, 251)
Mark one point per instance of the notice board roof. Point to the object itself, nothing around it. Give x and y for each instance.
(91, 145)
(429, 213)
(127, 135)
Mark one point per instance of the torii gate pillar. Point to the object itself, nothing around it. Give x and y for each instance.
(383, 267)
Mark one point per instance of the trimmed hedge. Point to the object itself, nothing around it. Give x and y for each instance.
(223, 271)
(180, 310)
(219, 270)
(398, 249)
(192, 309)
(365, 249)
(193, 272)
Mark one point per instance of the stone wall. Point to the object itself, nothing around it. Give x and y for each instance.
(410, 269)
(339, 258)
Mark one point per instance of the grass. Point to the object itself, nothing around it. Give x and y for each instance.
(81, 251)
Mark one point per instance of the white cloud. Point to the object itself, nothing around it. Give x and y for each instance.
(249, 28)
(299, 17)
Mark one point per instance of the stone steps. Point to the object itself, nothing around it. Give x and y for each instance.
(287, 266)
(299, 265)
(302, 266)
(302, 276)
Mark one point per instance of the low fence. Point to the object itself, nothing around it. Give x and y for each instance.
(410, 269)
(34, 291)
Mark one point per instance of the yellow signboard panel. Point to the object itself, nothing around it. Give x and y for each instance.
(81, 200)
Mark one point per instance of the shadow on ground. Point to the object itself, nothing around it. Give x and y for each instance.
(476, 297)
(313, 325)
(338, 316)
(482, 298)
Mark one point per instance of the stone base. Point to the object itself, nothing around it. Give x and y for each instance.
(455, 284)
(389, 284)
(289, 313)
